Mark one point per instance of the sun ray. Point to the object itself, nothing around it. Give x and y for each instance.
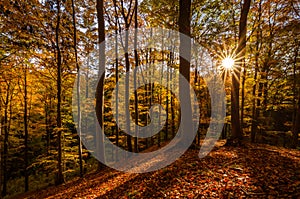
(230, 61)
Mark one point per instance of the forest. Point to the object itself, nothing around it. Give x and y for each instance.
(149, 99)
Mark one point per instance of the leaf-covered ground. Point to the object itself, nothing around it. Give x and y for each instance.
(250, 171)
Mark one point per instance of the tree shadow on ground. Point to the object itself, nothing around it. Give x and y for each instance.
(249, 171)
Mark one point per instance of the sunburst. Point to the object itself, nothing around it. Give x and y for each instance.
(230, 61)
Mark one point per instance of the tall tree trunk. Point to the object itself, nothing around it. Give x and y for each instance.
(255, 109)
(127, 115)
(296, 129)
(47, 124)
(184, 63)
(172, 99)
(243, 96)
(167, 104)
(26, 132)
(146, 93)
(60, 177)
(5, 144)
(127, 66)
(117, 76)
(1, 125)
(78, 90)
(160, 96)
(100, 86)
(136, 110)
(296, 123)
(127, 20)
(235, 115)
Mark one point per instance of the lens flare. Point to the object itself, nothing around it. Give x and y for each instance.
(228, 63)
(230, 60)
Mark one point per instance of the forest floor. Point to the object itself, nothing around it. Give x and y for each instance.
(249, 171)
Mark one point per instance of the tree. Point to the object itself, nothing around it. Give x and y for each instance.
(78, 90)
(60, 177)
(296, 128)
(255, 109)
(26, 130)
(6, 137)
(127, 20)
(241, 50)
(100, 86)
(296, 124)
(184, 62)
(136, 110)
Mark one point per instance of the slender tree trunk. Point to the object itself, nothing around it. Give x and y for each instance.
(167, 104)
(47, 123)
(296, 129)
(136, 110)
(60, 177)
(100, 86)
(146, 94)
(127, 66)
(1, 154)
(117, 75)
(26, 132)
(184, 63)
(127, 20)
(235, 115)
(5, 144)
(172, 100)
(255, 110)
(78, 90)
(152, 85)
(243, 96)
(296, 126)
(160, 97)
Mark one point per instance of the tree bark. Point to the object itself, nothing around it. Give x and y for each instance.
(117, 75)
(1, 125)
(296, 129)
(78, 90)
(127, 20)
(5, 144)
(255, 109)
(235, 115)
(100, 86)
(136, 111)
(184, 64)
(243, 97)
(296, 123)
(60, 177)
(26, 132)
